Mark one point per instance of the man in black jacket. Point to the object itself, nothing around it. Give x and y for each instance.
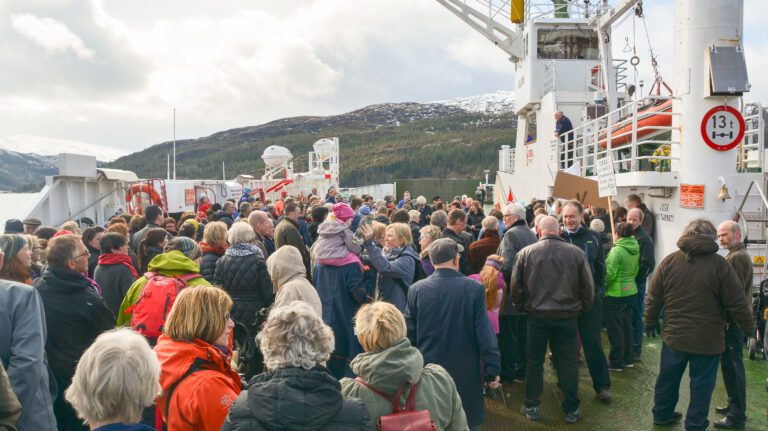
(591, 321)
(512, 318)
(155, 217)
(553, 280)
(456, 231)
(647, 263)
(75, 315)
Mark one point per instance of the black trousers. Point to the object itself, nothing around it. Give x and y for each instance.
(590, 325)
(512, 341)
(618, 321)
(734, 376)
(560, 335)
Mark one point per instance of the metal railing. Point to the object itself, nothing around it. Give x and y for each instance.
(751, 152)
(554, 9)
(636, 143)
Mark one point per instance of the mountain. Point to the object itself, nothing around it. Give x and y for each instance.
(22, 172)
(458, 138)
(44, 146)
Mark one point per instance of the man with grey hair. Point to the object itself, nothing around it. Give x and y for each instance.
(553, 280)
(263, 228)
(512, 318)
(697, 288)
(439, 218)
(226, 214)
(647, 263)
(732, 360)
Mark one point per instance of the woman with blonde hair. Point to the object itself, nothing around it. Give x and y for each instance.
(492, 279)
(396, 263)
(297, 391)
(116, 378)
(390, 365)
(36, 248)
(198, 383)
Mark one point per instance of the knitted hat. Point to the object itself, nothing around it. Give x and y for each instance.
(11, 244)
(364, 210)
(185, 245)
(14, 226)
(343, 212)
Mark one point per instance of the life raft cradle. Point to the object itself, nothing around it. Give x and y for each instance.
(137, 189)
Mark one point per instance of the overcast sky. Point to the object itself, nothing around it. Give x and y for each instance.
(109, 72)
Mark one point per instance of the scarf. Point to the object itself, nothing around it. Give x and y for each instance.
(218, 249)
(243, 249)
(118, 259)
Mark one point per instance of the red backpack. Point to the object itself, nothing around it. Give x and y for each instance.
(402, 418)
(155, 302)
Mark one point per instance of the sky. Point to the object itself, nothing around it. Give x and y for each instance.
(111, 72)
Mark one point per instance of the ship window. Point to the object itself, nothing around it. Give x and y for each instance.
(567, 44)
(530, 128)
(727, 71)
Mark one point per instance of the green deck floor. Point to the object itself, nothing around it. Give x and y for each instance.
(633, 400)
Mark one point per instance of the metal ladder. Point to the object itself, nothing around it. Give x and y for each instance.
(756, 222)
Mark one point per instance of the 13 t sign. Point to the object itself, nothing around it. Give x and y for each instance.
(722, 128)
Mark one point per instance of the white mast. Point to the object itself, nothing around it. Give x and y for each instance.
(174, 144)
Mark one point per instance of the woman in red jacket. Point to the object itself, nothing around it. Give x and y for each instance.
(199, 385)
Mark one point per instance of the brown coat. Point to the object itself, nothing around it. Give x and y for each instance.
(741, 262)
(696, 287)
(481, 249)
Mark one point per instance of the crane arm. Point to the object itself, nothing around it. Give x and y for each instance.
(486, 24)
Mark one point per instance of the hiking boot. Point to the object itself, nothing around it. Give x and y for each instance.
(531, 413)
(676, 416)
(723, 410)
(605, 396)
(727, 423)
(573, 417)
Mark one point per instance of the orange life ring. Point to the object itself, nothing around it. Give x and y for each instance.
(141, 188)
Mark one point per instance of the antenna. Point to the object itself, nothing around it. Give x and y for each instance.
(223, 171)
(174, 144)
(168, 166)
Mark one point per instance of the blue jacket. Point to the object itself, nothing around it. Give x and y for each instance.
(22, 349)
(448, 323)
(589, 242)
(342, 291)
(396, 272)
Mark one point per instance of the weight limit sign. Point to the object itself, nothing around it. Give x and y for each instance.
(722, 128)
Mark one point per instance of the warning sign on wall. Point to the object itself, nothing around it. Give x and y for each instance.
(692, 196)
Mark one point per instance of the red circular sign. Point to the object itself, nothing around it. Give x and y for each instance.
(722, 128)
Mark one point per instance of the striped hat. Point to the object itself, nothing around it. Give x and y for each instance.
(185, 245)
(11, 244)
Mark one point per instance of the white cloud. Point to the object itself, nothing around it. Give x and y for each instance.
(50, 34)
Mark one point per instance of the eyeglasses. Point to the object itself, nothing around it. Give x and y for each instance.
(86, 253)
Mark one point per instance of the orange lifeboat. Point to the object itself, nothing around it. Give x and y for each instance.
(648, 119)
(138, 190)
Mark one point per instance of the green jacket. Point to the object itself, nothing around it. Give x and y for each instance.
(168, 264)
(387, 370)
(621, 268)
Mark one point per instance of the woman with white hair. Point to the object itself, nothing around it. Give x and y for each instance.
(242, 272)
(427, 235)
(116, 378)
(390, 364)
(297, 392)
(415, 218)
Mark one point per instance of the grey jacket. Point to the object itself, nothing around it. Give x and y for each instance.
(516, 238)
(334, 241)
(22, 349)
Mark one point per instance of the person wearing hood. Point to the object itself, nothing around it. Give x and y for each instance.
(198, 384)
(115, 272)
(697, 289)
(214, 246)
(390, 363)
(397, 268)
(289, 280)
(75, 314)
(182, 256)
(297, 392)
(622, 265)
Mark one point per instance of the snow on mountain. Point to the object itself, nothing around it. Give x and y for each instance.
(499, 102)
(28, 144)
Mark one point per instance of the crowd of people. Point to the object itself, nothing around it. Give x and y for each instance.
(351, 313)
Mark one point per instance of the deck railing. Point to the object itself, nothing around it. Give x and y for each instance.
(617, 132)
(751, 152)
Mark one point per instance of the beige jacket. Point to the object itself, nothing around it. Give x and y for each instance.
(289, 279)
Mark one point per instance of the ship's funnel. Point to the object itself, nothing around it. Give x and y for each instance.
(275, 156)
